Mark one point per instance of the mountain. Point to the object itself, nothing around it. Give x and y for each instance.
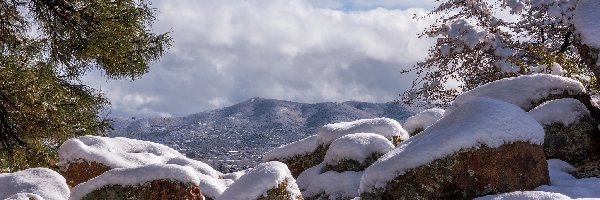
(236, 137)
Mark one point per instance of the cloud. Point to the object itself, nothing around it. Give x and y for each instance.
(227, 51)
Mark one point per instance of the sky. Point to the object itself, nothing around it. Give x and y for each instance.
(228, 51)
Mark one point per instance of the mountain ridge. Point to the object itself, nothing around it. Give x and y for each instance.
(237, 136)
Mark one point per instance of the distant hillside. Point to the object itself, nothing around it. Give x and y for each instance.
(238, 136)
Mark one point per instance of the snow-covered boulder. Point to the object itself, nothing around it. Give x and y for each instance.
(298, 156)
(212, 187)
(316, 183)
(155, 181)
(525, 91)
(483, 147)
(86, 157)
(388, 128)
(422, 120)
(571, 133)
(34, 183)
(270, 180)
(355, 152)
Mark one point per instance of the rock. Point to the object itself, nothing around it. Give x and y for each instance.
(471, 173)
(33, 183)
(571, 133)
(82, 171)
(422, 120)
(155, 181)
(355, 152)
(483, 147)
(588, 170)
(156, 189)
(270, 180)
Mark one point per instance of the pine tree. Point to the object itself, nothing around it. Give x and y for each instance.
(46, 46)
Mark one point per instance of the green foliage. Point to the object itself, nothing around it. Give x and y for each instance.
(45, 47)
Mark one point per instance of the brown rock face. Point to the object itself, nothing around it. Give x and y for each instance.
(157, 189)
(353, 165)
(83, 171)
(471, 173)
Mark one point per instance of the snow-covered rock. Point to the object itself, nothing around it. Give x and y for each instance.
(213, 187)
(298, 156)
(316, 184)
(270, 180)
(525, 91)
(422, 120)
(565, 111)
(386, 127)
(34, 183)
(587, 22)
(571, 133)
(145, 182)
(85, 157)
(355, 152)
(481, 142)
(304, 146)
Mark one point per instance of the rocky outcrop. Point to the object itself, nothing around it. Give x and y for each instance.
(576, 143)
(280, 193)
(471, 173)
(156, 189)
(82, 171)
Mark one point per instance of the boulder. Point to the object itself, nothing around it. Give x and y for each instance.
(82, 171)
(571, 132)
(483, 147)
(355, 152)
(86, 157)
(471, 173)
(155, 189)
(422, 120)
(155, 181)
(299, 155)
(34, 183)
(267, 181)
(316, 183)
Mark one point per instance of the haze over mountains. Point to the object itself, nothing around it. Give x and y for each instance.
(236, 137)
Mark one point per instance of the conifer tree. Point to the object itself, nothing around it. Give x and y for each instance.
(46, 46)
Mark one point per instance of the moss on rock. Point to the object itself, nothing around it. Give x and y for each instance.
(280, 193)
(157, 189)
(576, 143)
(353, 165)
(471, 173)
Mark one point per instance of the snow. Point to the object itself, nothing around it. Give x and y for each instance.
(235, 175)
(213, 187)
(382, 126)
(37, 183)
(134, 176)
(521, 90)
(122, 152)
(481, 121)
(357, 146)
(562, 182)
(334, 184)
(423, 119)
(526, 195)
(25, 196)
(587, 22)
(257, 181)
(565, 111)
(304, 146)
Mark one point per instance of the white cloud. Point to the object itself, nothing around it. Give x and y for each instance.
(227, 51)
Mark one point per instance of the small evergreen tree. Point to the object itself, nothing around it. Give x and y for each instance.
(479, 41)
(46, 46)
